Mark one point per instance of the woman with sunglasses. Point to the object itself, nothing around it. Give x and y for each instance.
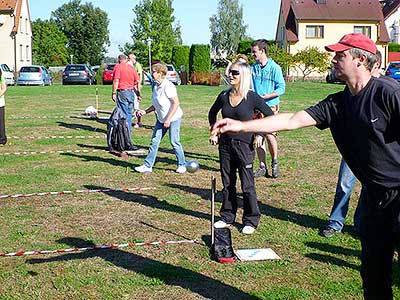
(165, 103)
(236, 151)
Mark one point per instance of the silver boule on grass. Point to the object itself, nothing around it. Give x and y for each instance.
(192, 166)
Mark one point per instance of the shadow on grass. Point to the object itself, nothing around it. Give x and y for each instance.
(203, 193)
(81, 127)
(111, 161)
(150, 201)
(332, 249)
(168, 274)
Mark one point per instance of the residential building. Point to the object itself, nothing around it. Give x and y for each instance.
(15, 34)
(316, 23)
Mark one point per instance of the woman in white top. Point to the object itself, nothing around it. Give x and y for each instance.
(165, 103)
(3, 89)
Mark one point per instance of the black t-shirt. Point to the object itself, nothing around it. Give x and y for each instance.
(366, 130)
(243, 112)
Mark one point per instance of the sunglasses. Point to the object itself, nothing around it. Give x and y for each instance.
(234, 72)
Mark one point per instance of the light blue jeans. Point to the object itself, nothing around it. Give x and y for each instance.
(174, 138)
(345, 184)
(124, 101)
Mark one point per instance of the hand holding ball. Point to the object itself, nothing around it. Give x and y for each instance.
(192, 166)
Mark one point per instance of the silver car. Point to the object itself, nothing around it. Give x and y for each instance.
(34, 75)
(8, 74)
(173, 75)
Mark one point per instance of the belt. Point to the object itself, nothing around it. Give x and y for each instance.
(121, 90)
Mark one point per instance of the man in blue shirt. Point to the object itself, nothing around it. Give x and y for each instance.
(269, 83)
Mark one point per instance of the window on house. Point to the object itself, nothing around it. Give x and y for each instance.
(314, 32)
(26, 26)
(366, 30)
(20, 24)
(21, 53)
(27, 53)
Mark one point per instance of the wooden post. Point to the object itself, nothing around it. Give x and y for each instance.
(97, 100)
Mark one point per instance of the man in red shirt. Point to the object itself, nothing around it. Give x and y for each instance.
(125, 80)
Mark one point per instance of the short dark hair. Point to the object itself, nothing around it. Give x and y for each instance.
(261, 44)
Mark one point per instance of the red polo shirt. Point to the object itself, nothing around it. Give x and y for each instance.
(127, 75)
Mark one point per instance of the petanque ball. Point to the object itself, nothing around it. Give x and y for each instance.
(192, 166)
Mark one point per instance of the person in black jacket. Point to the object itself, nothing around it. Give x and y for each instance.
(236, 151)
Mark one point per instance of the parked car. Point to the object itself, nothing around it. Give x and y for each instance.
(173, 75)
(34, 75)
(331, 77)
(8, 74)
(78, 74)
(108, 74)
(393, 70)
(95, 68)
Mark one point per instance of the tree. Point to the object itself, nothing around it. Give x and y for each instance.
(227, 28)
(280, 56)
(48, 44)
(310, 60)
(155, 21)
(86, 28)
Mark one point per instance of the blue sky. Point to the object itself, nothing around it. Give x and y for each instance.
(193, 16)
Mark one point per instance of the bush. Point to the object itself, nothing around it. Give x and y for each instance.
(180, 57)
(244, 47)
(394, 47)
(199, 58)
(99, 74)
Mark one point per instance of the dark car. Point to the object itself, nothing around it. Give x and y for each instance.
(108, 74)
(34, 75)
(78, 74)
(393, 70)
(331, 77)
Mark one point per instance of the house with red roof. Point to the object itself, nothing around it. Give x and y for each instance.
(15, 34)
(316, 23)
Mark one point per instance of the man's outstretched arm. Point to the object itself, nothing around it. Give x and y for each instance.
(279, 122)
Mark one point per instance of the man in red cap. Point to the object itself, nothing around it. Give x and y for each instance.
(364, 120)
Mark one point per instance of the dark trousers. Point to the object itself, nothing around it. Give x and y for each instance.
(379, 233)
(3, 137)
(238, 156)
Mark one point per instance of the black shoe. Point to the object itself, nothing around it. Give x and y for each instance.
(275, 169)
(261, 172)
(328, 232)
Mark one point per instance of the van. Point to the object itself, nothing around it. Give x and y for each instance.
(8, 74)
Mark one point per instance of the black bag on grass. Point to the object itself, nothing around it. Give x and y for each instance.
(118, 133)
(222, 250)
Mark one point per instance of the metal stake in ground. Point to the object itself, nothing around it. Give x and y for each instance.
(97, 100)
(213, 192)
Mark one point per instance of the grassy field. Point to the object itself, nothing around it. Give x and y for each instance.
(294, 207)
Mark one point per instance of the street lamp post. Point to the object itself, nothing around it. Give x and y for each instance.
(72, 58)
(149, 45)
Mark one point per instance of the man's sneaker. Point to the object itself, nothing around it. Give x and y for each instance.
(328, 232)
(221, 224)
(143, 169)
(260, 172)
(275, 169)
(248, 229)
(181, 169)
(137, 151)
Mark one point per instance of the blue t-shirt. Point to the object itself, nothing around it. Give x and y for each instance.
(268, 79)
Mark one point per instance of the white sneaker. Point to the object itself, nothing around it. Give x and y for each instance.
(248, 230)
(221, 224)
(143, 169)
(181, 169)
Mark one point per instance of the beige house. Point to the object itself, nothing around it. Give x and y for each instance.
(15, 34)
(317, 23)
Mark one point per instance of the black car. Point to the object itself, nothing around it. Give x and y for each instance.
(78, 74)
(331, 77)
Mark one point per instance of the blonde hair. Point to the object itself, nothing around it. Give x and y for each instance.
(160, 68)
(246, 83)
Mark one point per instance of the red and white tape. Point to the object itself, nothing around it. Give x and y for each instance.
(52, 152)
(59, 137)
(101, 247)
(77, 191)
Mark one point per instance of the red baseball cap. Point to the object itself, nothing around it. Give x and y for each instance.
(353, 40)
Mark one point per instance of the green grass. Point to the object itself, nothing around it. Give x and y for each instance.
(294, 207)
